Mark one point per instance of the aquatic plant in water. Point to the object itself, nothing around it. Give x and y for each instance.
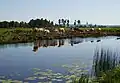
(10, 81)
(106, 68)
(104, 60)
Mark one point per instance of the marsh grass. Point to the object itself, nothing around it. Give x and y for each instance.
(104, 59)
(106, 68)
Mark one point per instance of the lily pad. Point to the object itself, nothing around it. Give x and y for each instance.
(31, 78)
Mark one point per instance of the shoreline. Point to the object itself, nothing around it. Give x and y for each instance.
(51, 38)
(27, 36)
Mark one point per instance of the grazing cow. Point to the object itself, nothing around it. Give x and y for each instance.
(56, 30)
(99, 29)
(61, 29)
(40, 29)
(87, 30)
(92, 29)
(47, 31)
(36, 29)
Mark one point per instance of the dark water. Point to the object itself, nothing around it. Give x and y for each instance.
(52, 60)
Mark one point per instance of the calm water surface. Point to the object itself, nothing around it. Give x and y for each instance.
(51, 60)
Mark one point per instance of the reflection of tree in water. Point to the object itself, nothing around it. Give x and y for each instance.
(35, 48)
(61, 42)
(75, 41)
(36, 45)
(44, 43)
(104, 60)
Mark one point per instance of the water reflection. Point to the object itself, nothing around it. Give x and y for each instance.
(118, 38)
(60, 42)
(57, 66)
(48, 43)
(98, 40)
(55, 42)
(76, 41)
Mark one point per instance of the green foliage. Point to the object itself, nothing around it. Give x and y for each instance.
(105, 66)
(104, 60)
(110, 76)
(40, 23)
(82, 79)
(32, 23)
(17, 35)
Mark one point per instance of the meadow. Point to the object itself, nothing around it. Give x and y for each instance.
(22, 35)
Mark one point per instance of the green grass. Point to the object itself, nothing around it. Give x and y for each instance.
(105, 29)
(24, 29)
(14, 35)
(2, 30)
(28, 29)
(11, 29)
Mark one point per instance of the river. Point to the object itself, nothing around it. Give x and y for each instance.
(55, 61)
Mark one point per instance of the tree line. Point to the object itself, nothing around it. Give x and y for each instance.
(65, 23)
(31, 24)
(44, 23)
(77, 24)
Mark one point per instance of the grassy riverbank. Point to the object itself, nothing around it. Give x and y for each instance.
(21, 35)
(17, 35)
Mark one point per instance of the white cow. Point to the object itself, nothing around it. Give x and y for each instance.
(87, 30)
(36, 29)
(46, 30)
(56, 30)
(99, 29)
(62, 29)
(92, 29)
(41, 29)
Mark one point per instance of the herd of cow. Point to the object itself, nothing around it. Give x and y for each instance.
(63, 30)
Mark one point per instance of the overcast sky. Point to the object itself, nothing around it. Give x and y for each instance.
(93, 11)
